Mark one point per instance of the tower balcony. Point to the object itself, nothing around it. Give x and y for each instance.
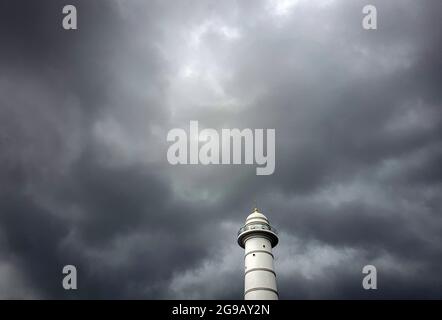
(264, 230)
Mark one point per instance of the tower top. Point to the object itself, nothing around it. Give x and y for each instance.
(257, 217)
(257, 224)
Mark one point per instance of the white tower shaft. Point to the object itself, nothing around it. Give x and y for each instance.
(258, 238)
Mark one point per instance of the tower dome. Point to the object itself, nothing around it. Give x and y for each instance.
(256, 216)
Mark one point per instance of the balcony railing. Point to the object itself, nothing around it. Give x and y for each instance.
(257, 227)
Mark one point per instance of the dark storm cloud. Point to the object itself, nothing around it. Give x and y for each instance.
(83, 121)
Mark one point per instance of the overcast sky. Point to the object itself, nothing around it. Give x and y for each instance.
(84, 115)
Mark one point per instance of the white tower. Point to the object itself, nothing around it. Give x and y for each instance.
(258, 238)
